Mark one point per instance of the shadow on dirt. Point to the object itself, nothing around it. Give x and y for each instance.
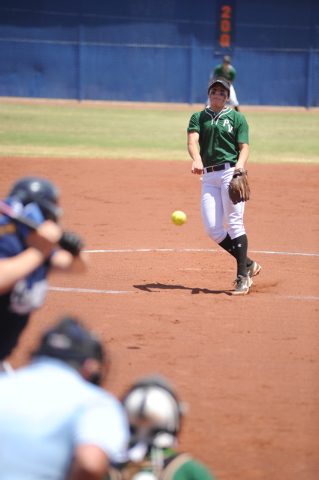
(155, 287)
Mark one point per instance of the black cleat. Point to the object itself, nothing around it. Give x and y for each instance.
(243, 284)
(253, 270)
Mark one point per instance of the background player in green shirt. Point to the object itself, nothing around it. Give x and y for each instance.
(222, 135)
(154, 414)
(227, 71)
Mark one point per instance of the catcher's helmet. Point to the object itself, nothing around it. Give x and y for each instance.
(41, 191)
(70, 341)
(154, 412)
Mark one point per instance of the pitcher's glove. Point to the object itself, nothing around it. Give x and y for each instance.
(239, 190)
(71, 242)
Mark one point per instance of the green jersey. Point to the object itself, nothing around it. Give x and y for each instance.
(229, 74)
(219, 135)
(176, 467)
(193, 470)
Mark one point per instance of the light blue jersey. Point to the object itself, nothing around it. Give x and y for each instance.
(46, 410)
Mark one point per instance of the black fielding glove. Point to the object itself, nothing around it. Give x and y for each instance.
(71, 242)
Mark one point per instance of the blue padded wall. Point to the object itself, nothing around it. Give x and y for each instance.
(158, 50)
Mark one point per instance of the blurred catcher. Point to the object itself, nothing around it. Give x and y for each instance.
(32, 244)
(55, 421)
(154, 414)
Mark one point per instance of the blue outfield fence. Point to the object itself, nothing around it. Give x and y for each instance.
(159, 50)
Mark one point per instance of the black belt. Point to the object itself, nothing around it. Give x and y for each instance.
(216, 169)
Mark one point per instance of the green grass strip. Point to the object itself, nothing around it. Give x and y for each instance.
(103, 132)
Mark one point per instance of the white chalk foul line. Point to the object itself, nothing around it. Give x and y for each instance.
(88, 290)
(197, 250)
(287, 253)
(298, 297)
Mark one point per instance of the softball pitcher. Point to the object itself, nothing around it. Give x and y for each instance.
(222, 135)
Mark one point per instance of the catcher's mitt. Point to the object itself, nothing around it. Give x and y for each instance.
(71, 242)
(239, 190)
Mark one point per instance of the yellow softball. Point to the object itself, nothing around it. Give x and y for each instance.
(179, 217)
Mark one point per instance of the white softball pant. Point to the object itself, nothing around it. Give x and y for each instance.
(216, 205)
(232, 97)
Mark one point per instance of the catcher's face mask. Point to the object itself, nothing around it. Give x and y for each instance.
(153, 411)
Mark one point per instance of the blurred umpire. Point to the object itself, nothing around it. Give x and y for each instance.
(27, 255)
(56, 423)
(154, 412)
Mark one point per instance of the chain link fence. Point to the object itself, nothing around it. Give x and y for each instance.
(158, 50)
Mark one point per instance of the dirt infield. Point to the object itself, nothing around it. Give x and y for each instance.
(159, 294)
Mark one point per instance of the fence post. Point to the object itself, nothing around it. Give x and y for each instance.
(79, 69)
(313, 43)
(191, 71)
(309, 74)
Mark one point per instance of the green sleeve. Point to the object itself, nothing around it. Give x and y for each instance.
(233, 75)
(218, 71)
(242, 130)
(193, 470)
(194, 122)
